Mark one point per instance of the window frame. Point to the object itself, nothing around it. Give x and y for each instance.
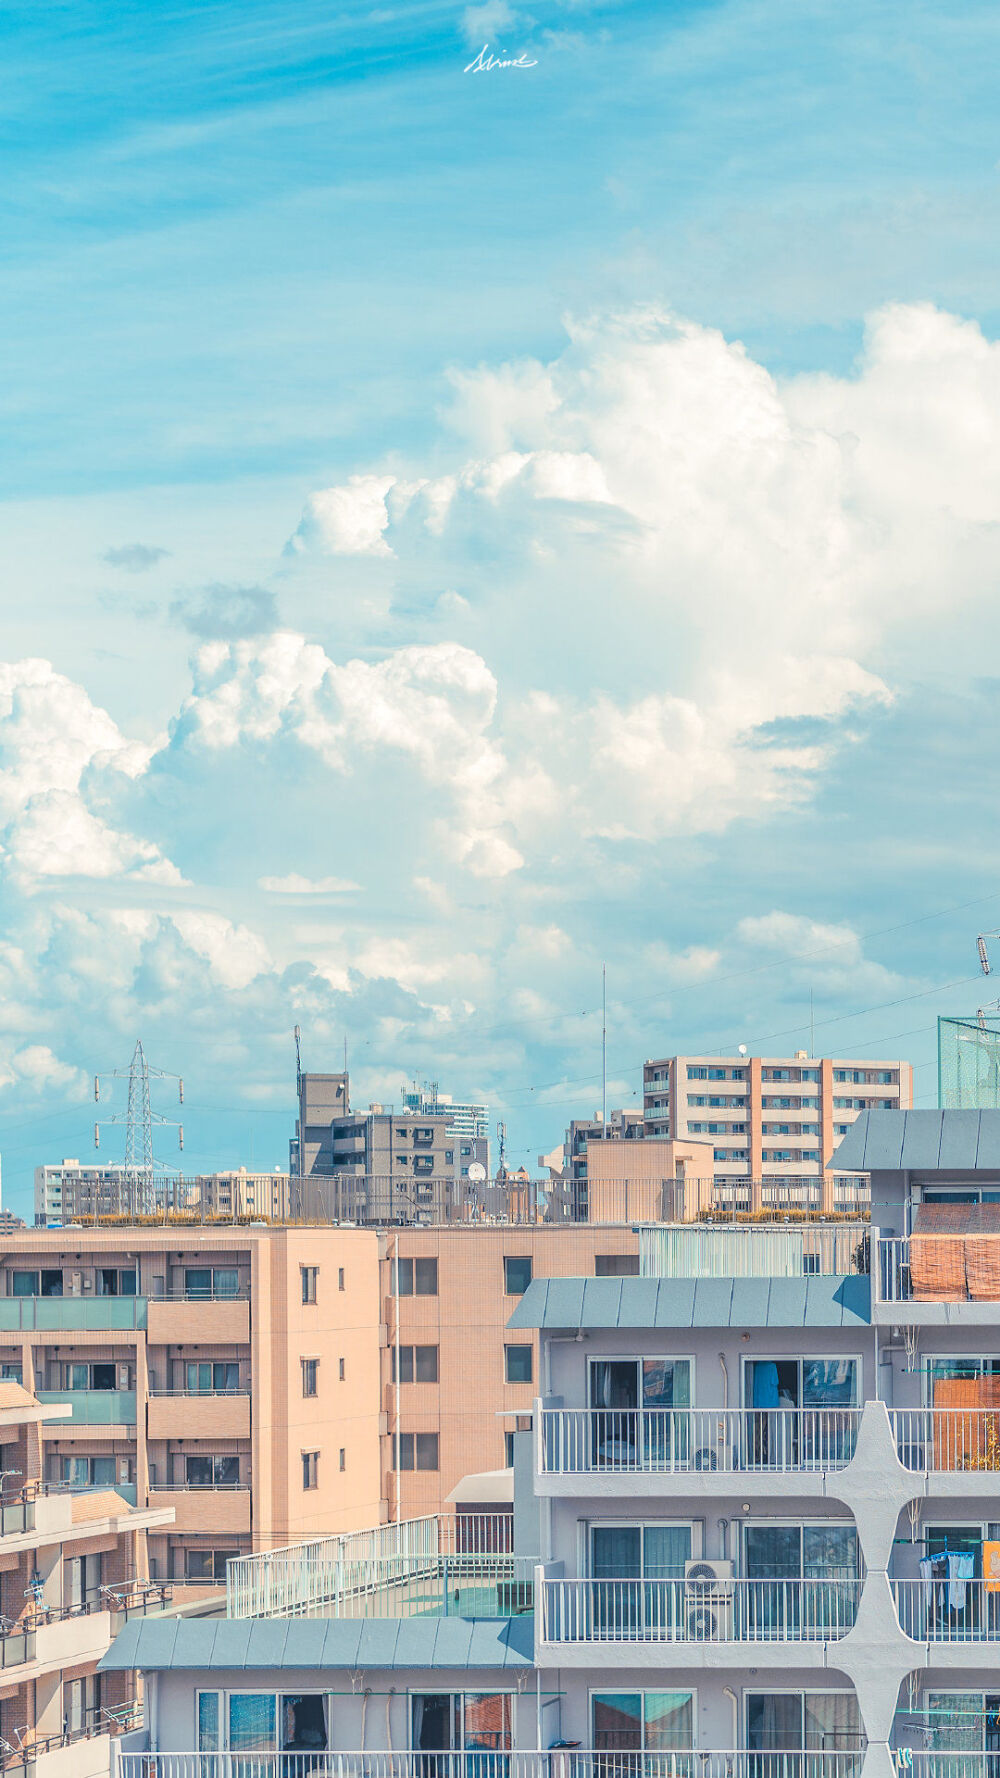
(631, 1691)
(518, 1346)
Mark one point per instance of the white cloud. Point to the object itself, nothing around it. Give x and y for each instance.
(346, 521)
(234, 954)
(294, 884)
(486, 22)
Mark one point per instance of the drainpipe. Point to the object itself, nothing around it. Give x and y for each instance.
(399, 1430)
(736, 1715)
(725, 1382)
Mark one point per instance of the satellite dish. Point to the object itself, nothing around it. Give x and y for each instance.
(477, 1173)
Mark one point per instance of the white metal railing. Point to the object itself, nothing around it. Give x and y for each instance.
(753, 1250)
(678, 1440)
(420, 1586)
(299, 1578)
(698, 1611)
(947, 1610)
(892, 1272)
(557, 1762)
(941, 1762)
(947, 1439)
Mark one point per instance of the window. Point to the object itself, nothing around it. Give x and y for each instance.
(310, 1376)
(659, 1722)
(262, 1722)
(208, 1722)
(24, 1283)
(309, 1275)
(795, 1721)
(211, 1281)
(508, 1450)
(212, 1472)
(417, 1364)
(452, 1722)
(517, 1364)
(310, 1469)
(10, 1371)
(418, 1450)
(340, 1278)
(418, 1277)
(343, 1458)
(84, 1472)
(207, 1565)
(616, 1265)
(343, 1369)
(202, 1377)
(516, 1273)
(112, 1282)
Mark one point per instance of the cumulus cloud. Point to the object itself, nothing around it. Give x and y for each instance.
(59, 752)
(486, 22)
(135, 558)
(227, 611)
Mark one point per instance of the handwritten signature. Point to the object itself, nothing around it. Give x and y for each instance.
(486, 61)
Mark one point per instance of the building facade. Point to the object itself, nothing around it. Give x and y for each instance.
(774, 1121)
(228, 1375)
(400, 1153)
(73, 1570)
(753, 1531)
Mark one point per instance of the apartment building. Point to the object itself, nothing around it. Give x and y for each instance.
(466, 1118)
(753, 1531)
(69, 1192)
(773, 1121)
(72, 1572)
(404, 1149)
(453, 1382)
(228, 1374)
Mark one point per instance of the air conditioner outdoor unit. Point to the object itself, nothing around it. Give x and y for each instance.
(708, 1601)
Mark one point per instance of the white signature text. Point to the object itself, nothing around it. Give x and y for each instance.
(486, 61)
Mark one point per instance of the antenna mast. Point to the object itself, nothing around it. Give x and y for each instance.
(604, 1045)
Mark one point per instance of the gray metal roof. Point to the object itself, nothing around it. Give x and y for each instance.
(920, 1141)
(694, 1302)
(156, 1644)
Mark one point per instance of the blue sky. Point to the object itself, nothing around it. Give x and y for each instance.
(462, 529)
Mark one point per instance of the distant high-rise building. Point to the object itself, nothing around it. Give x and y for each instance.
(406, 1150)
(772, 1120)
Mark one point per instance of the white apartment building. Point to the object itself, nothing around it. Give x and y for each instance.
(755, 1534)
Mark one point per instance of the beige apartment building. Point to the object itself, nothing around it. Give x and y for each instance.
(773, 1121)
(452, 1395)
(225, 1377)
(73, 1570)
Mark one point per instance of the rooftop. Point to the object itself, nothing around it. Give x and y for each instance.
(920, 1141)
(694, 1302)
(155, 1644)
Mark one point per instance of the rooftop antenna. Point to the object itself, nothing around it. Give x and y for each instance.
(604, 1045)
(298, 1059)
(502, 1139)
(138, 1120)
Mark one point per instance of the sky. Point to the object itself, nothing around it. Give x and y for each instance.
(460, 530)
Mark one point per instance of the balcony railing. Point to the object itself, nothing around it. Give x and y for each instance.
(136, 1598)
(753, 1250)
(698, 1612)
(71, 1314)
(558, 1762)
(94, 1407)
(678, 1440)
(933, 1268)
(948, 1610)
(317, 1576)
(947, 1439)
(940, 1762)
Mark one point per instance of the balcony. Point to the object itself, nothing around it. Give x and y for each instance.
(94, 1407)
(935, 1612)
(198, 1320)
(657, 1443)
(518, 1763)
(754, 1250)
(948, 1441)
(937, 1279)
(442, 1566)
(695, 1614)
(187, 1414)
(209, 1509)
(72, 1314)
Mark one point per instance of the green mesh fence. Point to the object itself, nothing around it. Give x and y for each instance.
(969, 1063)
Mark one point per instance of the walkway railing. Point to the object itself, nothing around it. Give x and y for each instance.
(948, 1610)
(754, 1250)
(558, 1762)
(943, 1439)
(698, 1612)
(335, 1575)
(578, 1441)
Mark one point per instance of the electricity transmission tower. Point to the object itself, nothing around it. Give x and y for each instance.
(138, 1174)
